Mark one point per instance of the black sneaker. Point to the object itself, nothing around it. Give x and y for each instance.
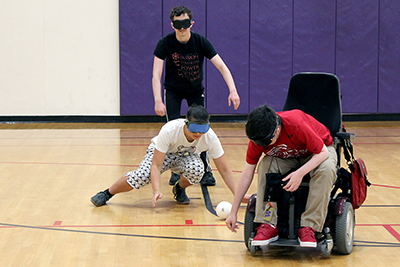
(100, 199)
(208, 179)
(180, 194)
(174, 178)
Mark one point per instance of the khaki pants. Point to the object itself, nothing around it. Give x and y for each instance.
(321, 182)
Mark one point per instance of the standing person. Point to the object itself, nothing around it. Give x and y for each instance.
(289, 139)
(184, 53)
(177, 147)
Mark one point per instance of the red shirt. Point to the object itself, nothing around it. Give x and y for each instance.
(301, 135)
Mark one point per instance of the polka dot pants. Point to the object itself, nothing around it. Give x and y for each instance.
(191, 166)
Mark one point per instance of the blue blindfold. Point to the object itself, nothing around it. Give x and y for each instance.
(197, 128)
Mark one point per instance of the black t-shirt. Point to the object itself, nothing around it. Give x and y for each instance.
(184, 62)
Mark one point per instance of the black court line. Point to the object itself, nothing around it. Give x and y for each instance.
(367, 243)
(376, 244)
(117, 234)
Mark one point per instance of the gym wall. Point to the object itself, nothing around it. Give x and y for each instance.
(94, 57)
(265, 42)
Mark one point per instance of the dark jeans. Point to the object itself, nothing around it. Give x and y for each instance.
(173, 102)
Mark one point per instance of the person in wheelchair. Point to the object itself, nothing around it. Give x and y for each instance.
(289, 140)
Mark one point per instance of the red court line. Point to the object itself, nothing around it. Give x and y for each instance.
(393, 232)
(131, 166)
(187, 224)
(109, 145)
(387, 186)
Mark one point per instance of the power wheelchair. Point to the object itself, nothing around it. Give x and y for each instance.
(317, 94)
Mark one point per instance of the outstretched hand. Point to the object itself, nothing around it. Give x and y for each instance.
(156, 196)
(231, 222)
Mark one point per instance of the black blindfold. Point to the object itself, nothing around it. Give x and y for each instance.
(179, 24)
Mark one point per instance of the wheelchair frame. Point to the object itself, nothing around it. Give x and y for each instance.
(339, 225)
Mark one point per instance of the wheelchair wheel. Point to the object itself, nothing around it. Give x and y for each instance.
(345, 224)
(249, 227)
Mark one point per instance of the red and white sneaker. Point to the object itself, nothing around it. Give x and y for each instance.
(307, 237)
(266, 234)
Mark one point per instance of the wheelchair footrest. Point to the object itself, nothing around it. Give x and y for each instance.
(284, 242)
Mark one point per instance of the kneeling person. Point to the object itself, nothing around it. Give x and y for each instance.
(177, 147)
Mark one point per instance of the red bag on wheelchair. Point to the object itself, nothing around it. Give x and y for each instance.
(359, 182)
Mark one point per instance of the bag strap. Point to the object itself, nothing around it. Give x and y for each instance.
(348, 154)
(347, 148)
(348, 151)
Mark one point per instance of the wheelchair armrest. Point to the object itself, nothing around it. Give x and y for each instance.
(346, 136)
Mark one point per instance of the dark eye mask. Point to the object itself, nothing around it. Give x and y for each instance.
(179, 24)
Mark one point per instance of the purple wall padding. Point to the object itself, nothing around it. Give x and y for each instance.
(228, 32)
(140, 29)
(389, 57)
(270, 52)
(356, 54)
(264, 43)
(314, 36)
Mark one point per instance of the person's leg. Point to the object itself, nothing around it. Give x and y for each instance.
(133, 179)
(208, 178)
(270, 165)
(268, 231)
(120, 186)
(191, 169)
(321, 182)
(173, 103)
(195, 98)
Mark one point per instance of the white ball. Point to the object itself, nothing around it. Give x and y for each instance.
(223, 209)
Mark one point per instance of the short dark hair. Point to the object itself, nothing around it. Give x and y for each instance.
(197, 113)
(260, 122)
(179, 10)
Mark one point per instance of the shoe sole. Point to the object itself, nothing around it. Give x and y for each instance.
(264, 242)
(307, 244)
(94, 203)
(208, 184)
(183, 202)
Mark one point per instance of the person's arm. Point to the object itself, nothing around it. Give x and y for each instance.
(155, 175)
(158, 66)
(242, 186)
(227, 175)
(223, 69)
(296, 177)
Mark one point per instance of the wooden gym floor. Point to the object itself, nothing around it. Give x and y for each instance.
(49, 172)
